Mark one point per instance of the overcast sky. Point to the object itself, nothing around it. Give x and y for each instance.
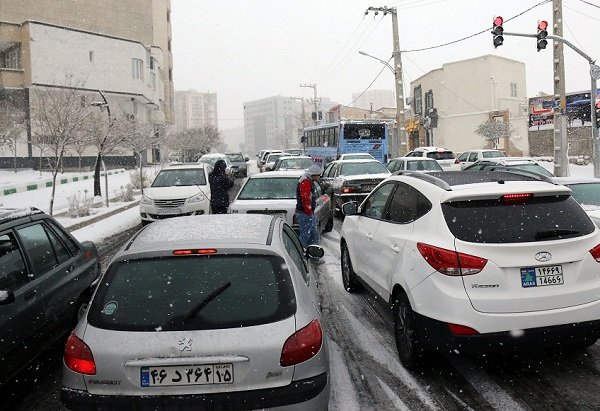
(245, 50)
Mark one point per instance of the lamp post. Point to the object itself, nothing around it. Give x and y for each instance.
(388, 65)
(99, 160)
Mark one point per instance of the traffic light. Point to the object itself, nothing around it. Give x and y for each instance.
(541, 35)
(497, 31)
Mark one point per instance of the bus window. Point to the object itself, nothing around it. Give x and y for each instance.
(335, 136)
(331, 140)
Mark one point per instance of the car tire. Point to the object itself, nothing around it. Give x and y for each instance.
(349, 279)
(329, 225)
(409, 348)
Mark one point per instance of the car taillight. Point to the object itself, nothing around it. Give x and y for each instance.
(348, 189)
(78, 356)
(302, 345)
(457, 161)
(458, 329)
(595, 252)
(201, 251)
(516, 198)
(450, 262)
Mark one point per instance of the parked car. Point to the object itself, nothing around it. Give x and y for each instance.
(468, 157)
(180, 189)
(274, 192)
(352, 180)
(238, 164)
(295, 151)
(46, 281)
(292, 163)
(499, 163)
(212, 158)
(356, 156)
(270, 160)
(489, 260)
(192, 313)
(443, 156)
(263, 156)
(413, 164)
(586, 191)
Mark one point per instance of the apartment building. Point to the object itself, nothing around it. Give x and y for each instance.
(194, 109)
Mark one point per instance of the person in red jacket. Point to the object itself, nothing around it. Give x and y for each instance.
(306, 200)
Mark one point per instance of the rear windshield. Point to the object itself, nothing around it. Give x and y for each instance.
(441, 155)
(539, 219)
(182, 177)
(269, 188)
(364, 131)
(493, 154)
(429, 165)
(238, 158)
(193, 292)
(296, 164)
(353, 169)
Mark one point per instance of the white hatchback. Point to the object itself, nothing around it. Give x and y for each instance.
(488, 259)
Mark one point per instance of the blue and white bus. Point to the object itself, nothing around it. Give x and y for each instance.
(326, 142)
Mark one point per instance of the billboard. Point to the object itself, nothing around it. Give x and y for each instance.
(578, 109)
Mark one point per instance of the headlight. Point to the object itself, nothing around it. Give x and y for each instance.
(146, 200)
(197, 198)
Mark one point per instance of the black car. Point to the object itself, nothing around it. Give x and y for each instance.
(46, 281)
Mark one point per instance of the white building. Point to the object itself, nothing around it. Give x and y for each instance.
(194, 109)
(374, 99)
(272, 122)
(465, 94)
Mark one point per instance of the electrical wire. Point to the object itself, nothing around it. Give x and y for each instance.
(582, 13)
(369, 86)
(475, 34)
(590, 4)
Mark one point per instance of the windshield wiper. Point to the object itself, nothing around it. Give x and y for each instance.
(196, 309)
(557, 233)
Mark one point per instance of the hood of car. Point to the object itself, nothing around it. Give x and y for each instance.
(265, 204)
(163, 193)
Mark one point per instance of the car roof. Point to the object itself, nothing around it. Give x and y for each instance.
(203, 231)
(511, 160)
(430, 148)
(575, 180)
(185, 166)
(294, 157)
(8, 213)
(357, 160)
(414, 159)
(278, 173)
(210, 155)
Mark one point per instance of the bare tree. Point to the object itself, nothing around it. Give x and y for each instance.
(493, 131)
(192, 143)
(12, 126)
(57, 115)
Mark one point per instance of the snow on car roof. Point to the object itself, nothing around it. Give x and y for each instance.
(203, 230)
(279, 173)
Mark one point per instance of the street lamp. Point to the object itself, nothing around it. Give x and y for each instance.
(99, 160)
(380, 60)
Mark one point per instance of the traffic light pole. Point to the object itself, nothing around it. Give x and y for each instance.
(593, 95)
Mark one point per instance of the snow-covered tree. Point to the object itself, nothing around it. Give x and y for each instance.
(493, 131)
(12, 127)
(192, 143)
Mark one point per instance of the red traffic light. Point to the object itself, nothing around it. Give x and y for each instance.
(499, 20)
(542, 25)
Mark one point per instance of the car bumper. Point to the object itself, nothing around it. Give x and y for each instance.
(153, 213)
(308, 394)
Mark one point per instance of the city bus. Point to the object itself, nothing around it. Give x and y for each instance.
(325, 143)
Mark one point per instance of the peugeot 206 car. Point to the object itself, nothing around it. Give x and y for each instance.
(177, 190)
(492, 260)
(193, 315)
(274, 192)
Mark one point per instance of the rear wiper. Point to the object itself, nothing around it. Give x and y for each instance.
(557, 233)
(195, 310)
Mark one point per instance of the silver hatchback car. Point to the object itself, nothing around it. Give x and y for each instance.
(191, 314)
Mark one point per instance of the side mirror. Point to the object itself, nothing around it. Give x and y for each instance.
(350, 208)
(314, 251)
(247, 158)
(6, 297)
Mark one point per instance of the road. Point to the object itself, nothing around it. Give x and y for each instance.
(366, 373)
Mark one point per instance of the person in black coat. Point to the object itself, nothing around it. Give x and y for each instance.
(220, 184)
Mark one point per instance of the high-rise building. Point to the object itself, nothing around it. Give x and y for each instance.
(121, 47)
(194, 109)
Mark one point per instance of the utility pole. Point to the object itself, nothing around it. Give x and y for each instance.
(303, 119)
(561, 156)
(315, 101)
(399, 144)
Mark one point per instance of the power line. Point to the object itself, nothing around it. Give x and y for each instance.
(478, 33)
(582, 13)
(590, 4)
(369, 86)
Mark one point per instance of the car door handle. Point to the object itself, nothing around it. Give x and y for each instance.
(370, 236)
(30, 294)
(395, 248)
(70, 268)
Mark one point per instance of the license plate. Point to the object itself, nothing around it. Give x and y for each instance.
(542, 276)
(206, 374)
(167, 211)
(368, 187)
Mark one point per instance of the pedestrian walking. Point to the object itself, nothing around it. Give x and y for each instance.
(306, 201)
(220, 184)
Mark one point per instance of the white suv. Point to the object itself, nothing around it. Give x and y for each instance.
(495, 258)
(443, 156)
(177, 190)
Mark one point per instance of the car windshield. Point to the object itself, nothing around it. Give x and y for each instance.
(539, 219)
(180, 177)
(493, 154)
(273, 157)
(211, 160)
(586, 193)
(236, 158)
(536, 168)
(269, 188)
(374, 167)
(203, 292)
(441, 155)
(423, 165)
(295, 164)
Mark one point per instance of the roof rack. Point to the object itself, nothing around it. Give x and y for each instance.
(447, 179)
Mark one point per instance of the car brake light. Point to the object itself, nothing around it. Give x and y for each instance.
(457, 161)
(201, 251)
(595, 252)
(78, 356)
(347, 190)
(458, 329)
(450, 262)
(516, 198)
(302, 345)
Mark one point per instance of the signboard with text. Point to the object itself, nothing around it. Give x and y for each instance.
(541, 115)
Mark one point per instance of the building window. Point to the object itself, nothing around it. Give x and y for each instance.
(428, 101)
(137, 69)
(91, 55)
(418, 100)
(513, 89)
(11, 58)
